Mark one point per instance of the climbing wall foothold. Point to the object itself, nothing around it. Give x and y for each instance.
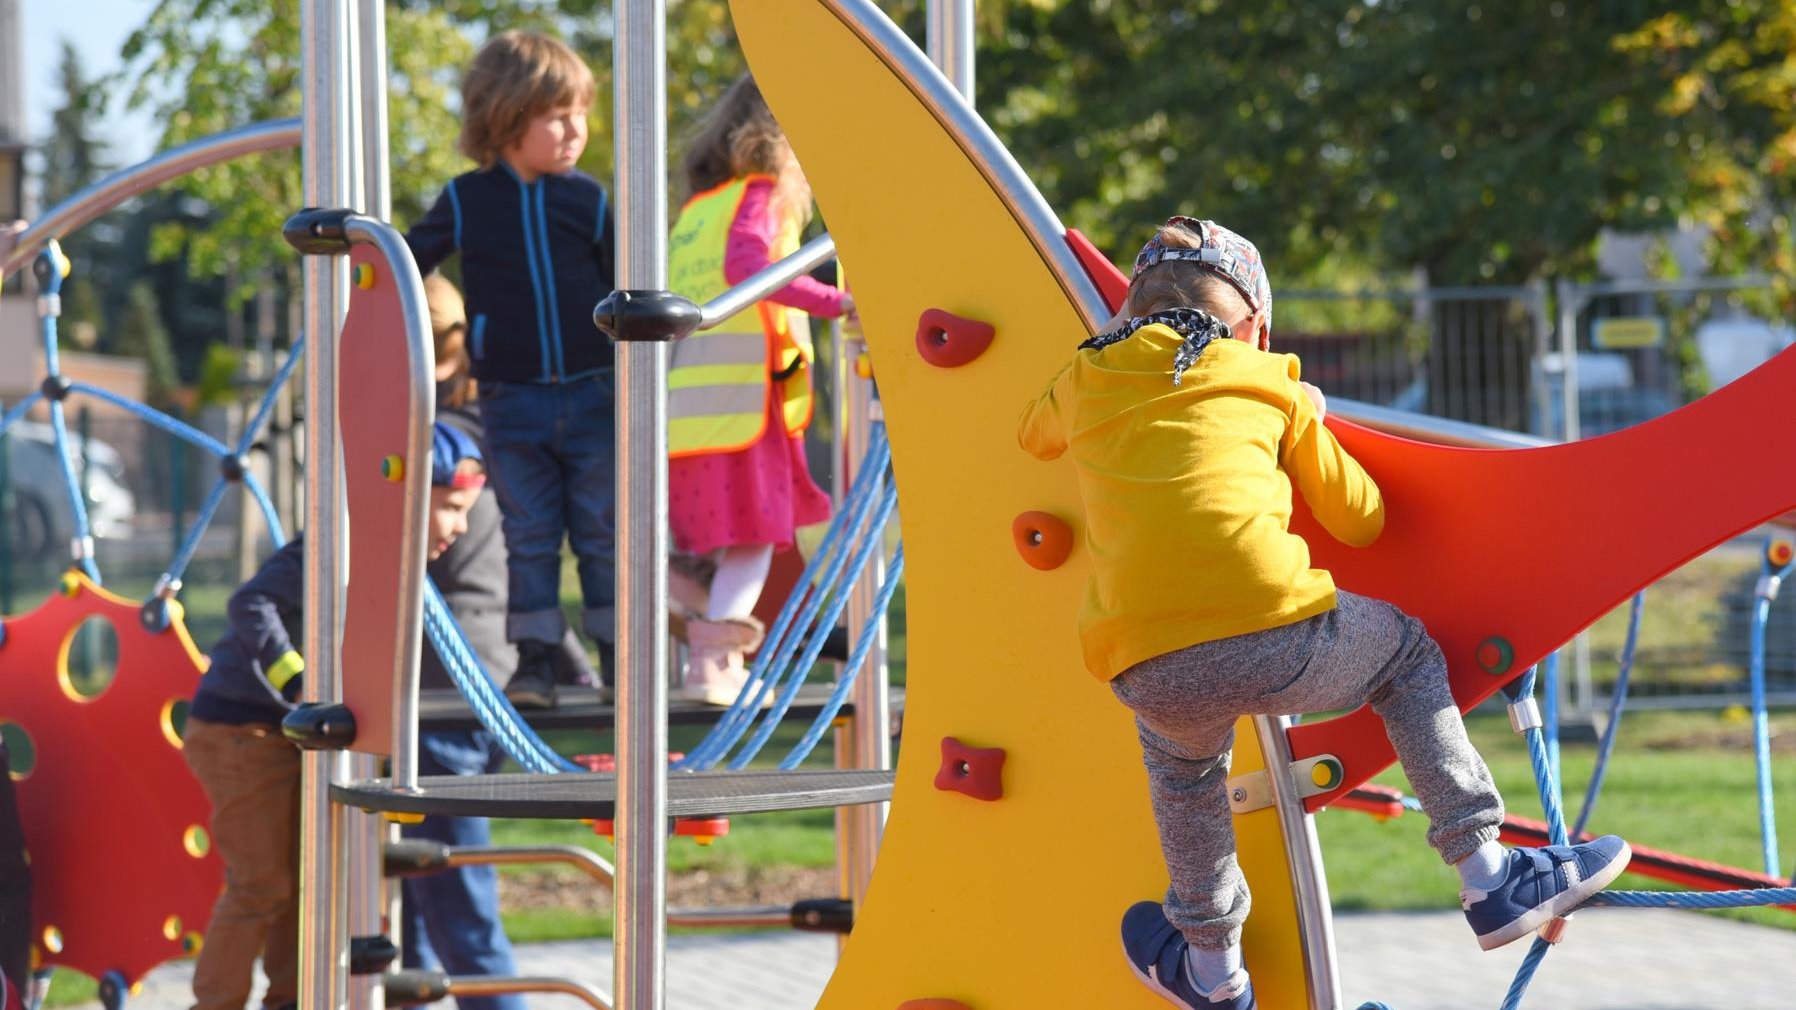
(946, 340)
(975, 771)
(933, 1004)
(1042, 539)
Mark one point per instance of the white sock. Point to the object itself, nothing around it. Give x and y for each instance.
(1211, 969)
(1485, 868)
(741, 572)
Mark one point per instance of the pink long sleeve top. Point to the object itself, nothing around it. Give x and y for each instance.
(750, 250)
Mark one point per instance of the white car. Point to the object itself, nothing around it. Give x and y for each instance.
(42, 523)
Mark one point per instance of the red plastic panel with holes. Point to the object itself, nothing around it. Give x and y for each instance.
(1532, 545)
(123, 876)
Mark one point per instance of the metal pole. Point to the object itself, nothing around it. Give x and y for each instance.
(368, 905)
(640, 115)
(323, 938)
(122, 185)
(8, 519)
(950, 40)
(1572, 301)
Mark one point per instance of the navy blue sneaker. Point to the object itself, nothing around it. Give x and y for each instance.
(1540, 885)
(1156, 953)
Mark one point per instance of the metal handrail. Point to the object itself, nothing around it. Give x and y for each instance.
(595, 866)
(106, 194)
(767, 280)
(1436, 430)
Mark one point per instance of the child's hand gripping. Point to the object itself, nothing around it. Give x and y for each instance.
(1316, 398)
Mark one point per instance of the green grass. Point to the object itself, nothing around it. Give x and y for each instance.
(1696, 800)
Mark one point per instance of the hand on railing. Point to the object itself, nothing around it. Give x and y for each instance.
(851, 317)
(1316, 398)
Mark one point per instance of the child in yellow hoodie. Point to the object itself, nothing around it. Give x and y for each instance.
(1187, 436)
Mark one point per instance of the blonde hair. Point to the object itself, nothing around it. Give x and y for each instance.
(1182, 284)
(516, 77)
(449, 325)
(739, 137)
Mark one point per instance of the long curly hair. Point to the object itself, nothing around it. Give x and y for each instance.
(739, 137)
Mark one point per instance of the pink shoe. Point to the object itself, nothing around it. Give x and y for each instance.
(715, 671)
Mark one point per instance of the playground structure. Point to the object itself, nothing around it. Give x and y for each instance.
(962, 336)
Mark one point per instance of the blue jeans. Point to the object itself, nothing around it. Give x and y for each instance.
(452, 917)
(550, 454)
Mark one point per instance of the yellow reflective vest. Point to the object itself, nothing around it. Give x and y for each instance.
(719, 379)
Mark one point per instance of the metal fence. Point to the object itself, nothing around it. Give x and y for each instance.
(142, 488)
(1566, 361)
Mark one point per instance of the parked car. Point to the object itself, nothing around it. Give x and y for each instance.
(42, 522)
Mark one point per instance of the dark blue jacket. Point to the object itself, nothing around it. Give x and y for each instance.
(264, 613)
(535, 259)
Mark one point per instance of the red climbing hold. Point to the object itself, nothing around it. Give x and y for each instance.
(976, 771)
(933, 1004)
(1043, 539)
(946, 340)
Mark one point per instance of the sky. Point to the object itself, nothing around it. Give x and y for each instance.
(97, 28)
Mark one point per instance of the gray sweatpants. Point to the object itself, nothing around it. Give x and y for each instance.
(1186, 704)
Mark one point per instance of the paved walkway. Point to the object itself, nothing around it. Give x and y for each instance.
(1611, 960)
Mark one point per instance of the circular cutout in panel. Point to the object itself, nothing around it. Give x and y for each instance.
(173, 721)
(52, 939)
(196, 841)
(21, 751)
(171, 928)
(89, 659)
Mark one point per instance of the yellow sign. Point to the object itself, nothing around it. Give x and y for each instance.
(1627, 332)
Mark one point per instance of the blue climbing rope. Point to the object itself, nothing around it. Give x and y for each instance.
(1618, 699)
(49, 308)
(179, 429)
(822, 575)
(215, 497)
(490, 705)
(770, 720)
(863, 646)
(1549, 710)
(1525, 974)
(19, 410)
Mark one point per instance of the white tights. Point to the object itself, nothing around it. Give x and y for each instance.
(741, 573)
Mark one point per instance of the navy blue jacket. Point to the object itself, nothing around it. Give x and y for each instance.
(264, 612)
(535, 259)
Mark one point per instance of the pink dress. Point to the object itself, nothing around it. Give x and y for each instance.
(761, 494)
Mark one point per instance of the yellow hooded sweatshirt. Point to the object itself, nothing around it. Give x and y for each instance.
(1187, 493)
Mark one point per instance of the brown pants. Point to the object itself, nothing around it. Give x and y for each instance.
(251, 775)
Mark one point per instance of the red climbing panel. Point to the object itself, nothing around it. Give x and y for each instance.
(108, 795)
(374, 408)
(1531, 546)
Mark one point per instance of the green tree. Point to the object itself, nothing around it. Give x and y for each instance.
(1726, 69)
(1485, 143)
(210, 65)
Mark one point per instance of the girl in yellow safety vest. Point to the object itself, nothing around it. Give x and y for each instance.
(739, 394)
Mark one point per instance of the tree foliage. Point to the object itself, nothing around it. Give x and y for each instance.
(1353, 138)
(210, 65)
(1727, 69)
(1483, 142)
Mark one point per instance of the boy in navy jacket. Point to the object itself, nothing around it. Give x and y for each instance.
(250, 772)
(536, 249)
